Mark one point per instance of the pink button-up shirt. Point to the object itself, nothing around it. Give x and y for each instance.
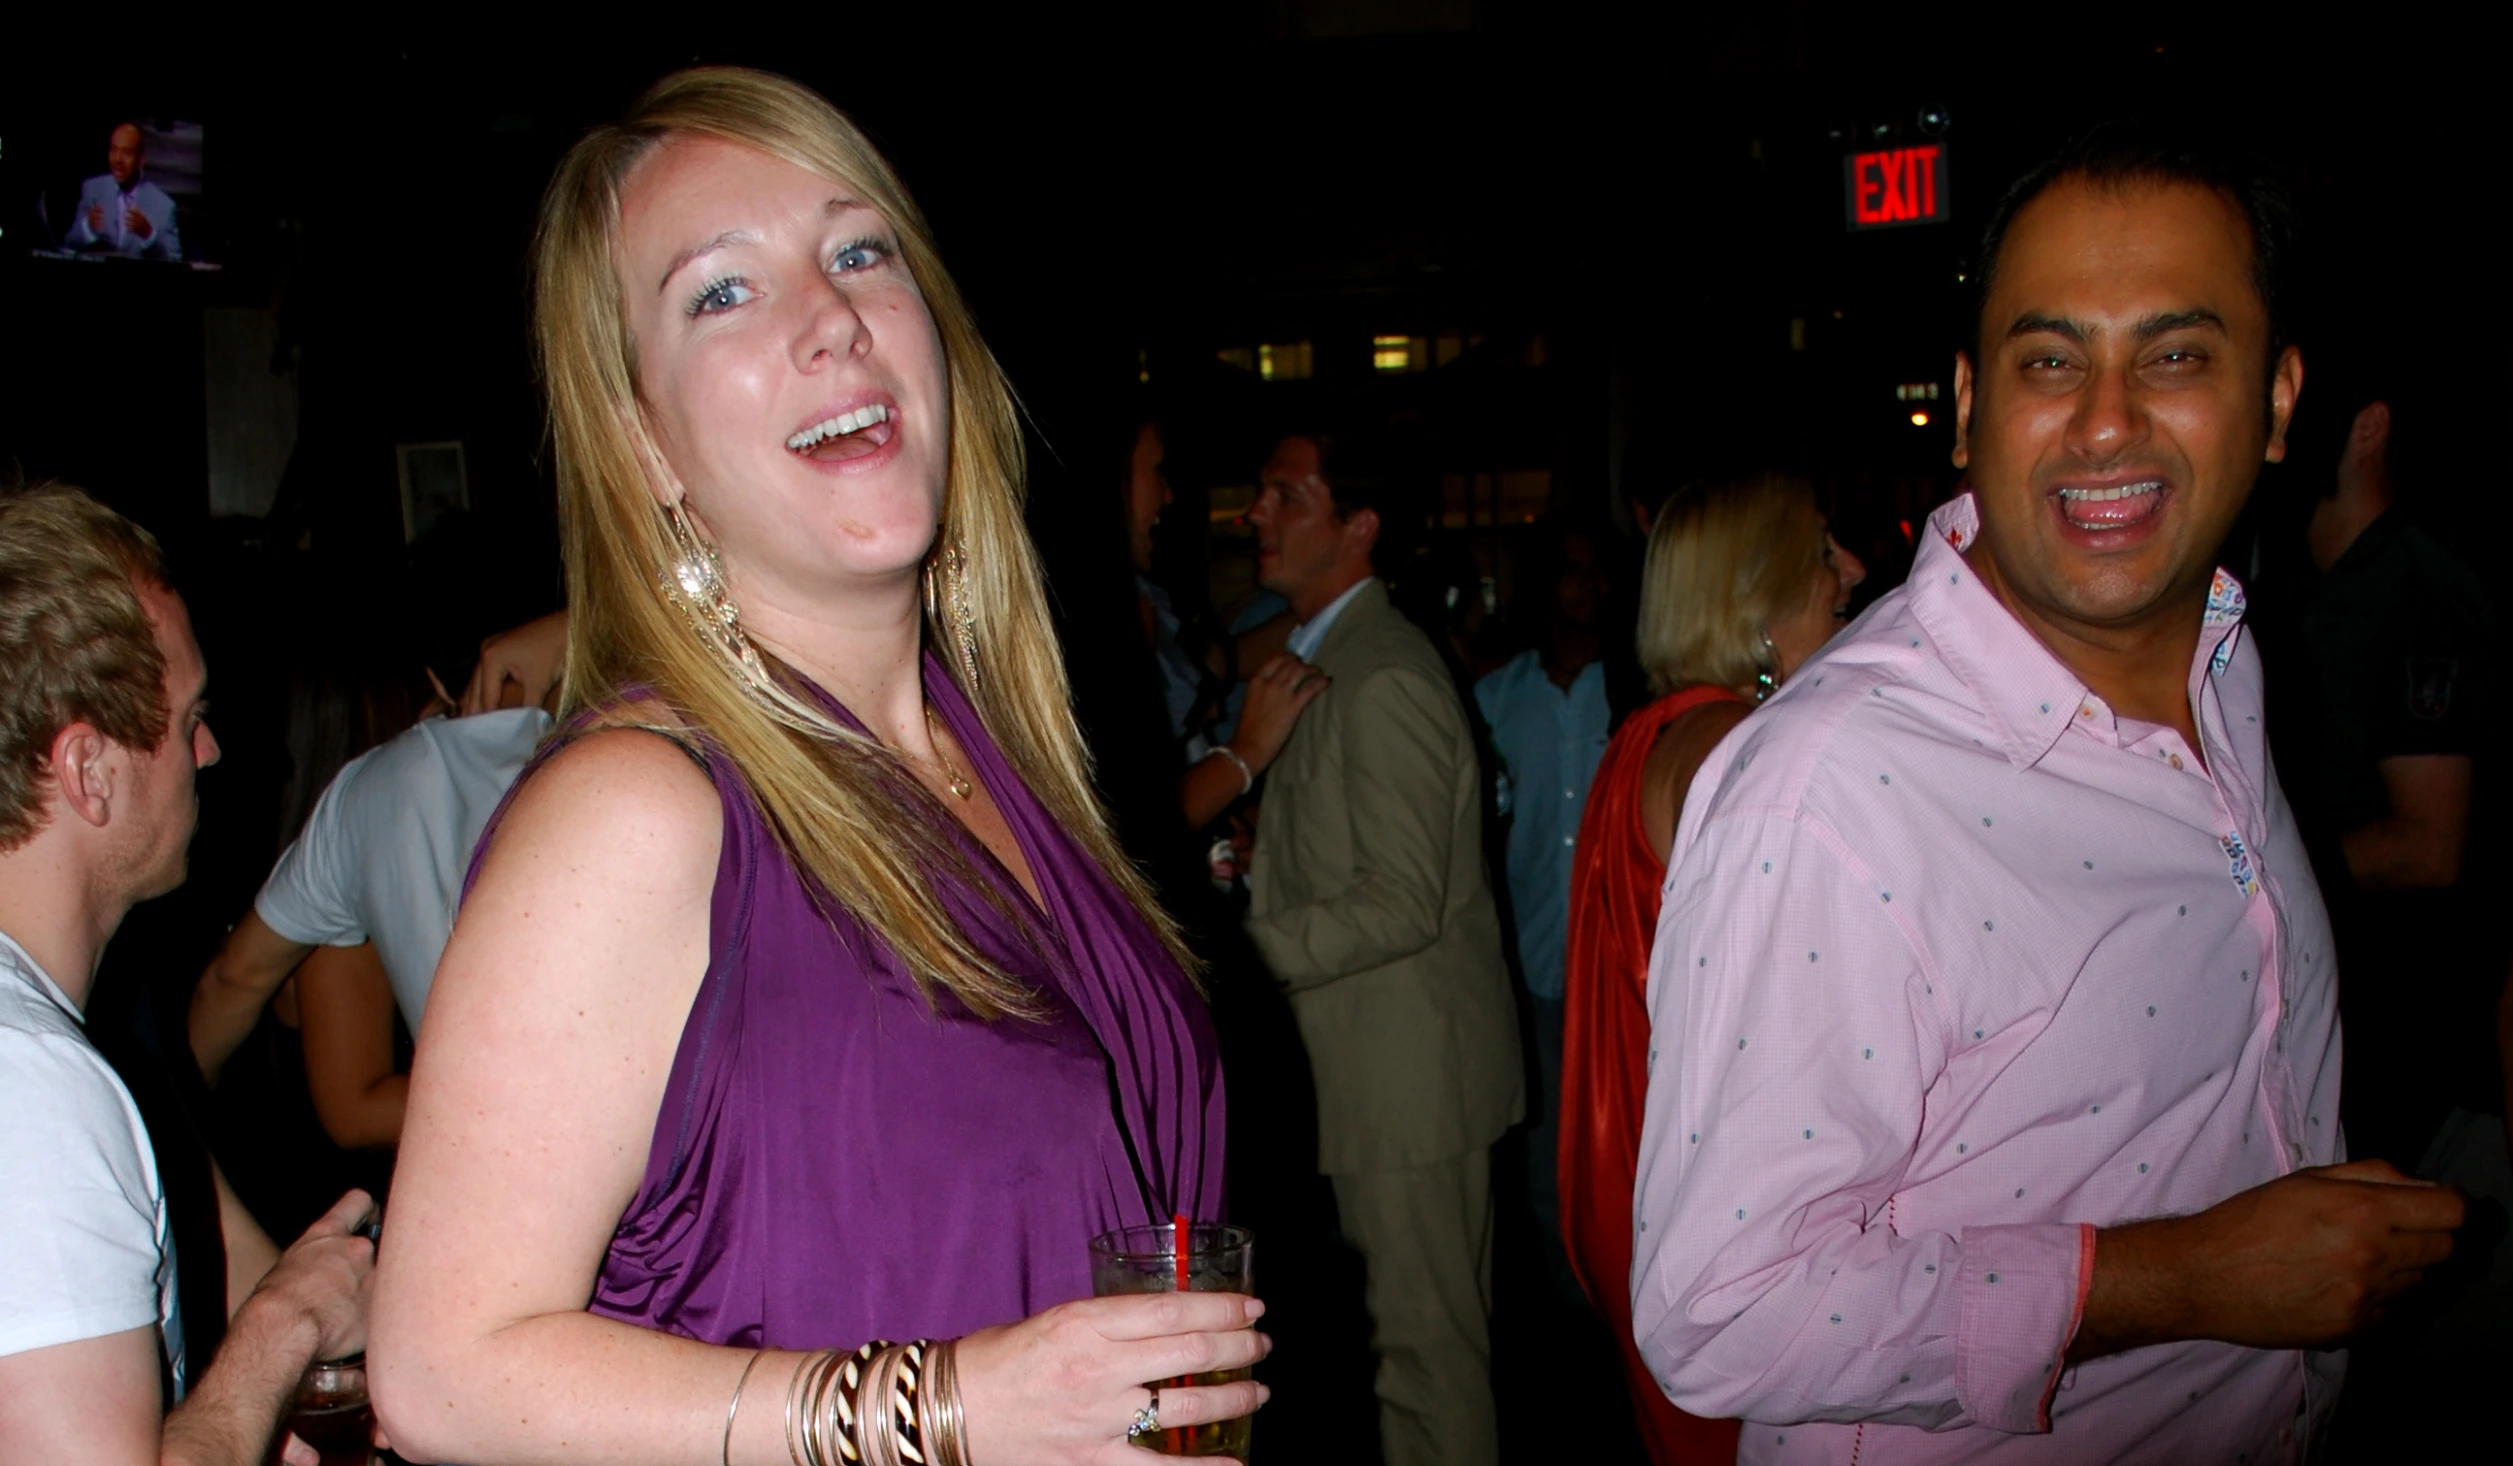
(1954, 967)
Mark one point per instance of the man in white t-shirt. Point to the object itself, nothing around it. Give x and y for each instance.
(381, 859)
(102, 726)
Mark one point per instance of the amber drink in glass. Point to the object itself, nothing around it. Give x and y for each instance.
(331, 1413)
(1145, 1260)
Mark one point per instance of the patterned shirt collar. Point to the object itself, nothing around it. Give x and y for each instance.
(2029, 694)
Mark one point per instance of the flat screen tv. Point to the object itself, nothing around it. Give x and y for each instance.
(117, 189)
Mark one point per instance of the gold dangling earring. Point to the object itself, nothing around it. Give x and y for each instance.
(954, 613)
(694, 582)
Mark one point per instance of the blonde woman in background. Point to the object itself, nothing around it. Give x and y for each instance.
(1742, 584)
(801, 998)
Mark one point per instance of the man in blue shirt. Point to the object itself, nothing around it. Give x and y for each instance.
(122, 213)
(1548, 714)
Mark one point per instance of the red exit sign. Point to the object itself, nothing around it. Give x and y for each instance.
(1896, 186)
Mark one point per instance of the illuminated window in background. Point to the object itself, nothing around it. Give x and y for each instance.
(1421, 353)
(1279, 361)
(1287, 362)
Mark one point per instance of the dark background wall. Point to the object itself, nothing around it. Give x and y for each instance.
(1647, 206)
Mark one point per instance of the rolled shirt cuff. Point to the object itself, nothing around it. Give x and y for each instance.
(2023, 1291)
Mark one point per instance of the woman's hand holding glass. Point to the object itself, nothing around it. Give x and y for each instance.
(1063, 1385)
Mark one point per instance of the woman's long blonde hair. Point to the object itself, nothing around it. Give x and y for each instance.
(843, 806)
(1726, 559)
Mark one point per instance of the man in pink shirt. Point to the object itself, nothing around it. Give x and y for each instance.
(1990, 938)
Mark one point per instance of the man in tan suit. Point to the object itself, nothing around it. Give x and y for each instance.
(1371, 907)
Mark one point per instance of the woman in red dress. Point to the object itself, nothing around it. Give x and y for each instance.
(1743, 583)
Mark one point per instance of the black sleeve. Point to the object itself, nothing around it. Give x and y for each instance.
(2438, 674)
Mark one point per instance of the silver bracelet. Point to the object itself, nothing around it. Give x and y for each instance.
(734, 1409)
(1247, 776)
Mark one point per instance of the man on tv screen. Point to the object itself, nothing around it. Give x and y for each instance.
(122, 213)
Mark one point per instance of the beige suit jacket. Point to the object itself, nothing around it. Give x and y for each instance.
(1371, 906)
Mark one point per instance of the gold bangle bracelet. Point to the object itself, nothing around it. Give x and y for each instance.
(796, 1388)
(735, 1409)
(938, 1405)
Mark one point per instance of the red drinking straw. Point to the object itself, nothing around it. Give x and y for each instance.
(1176, 1436)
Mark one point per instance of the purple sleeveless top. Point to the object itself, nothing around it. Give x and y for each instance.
(834, 1161)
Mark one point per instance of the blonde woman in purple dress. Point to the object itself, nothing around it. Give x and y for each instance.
(802, 997)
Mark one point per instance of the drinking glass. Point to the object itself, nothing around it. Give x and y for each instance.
(331, 1412)
(1145, 1260)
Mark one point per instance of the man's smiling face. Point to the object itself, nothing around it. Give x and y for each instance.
(2119, 414)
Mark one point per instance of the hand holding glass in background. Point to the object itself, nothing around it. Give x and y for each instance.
(331, 1413)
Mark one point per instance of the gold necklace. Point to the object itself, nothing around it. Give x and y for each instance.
(958, 782)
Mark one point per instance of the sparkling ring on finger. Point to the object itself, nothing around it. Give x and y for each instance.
(1148, 1419)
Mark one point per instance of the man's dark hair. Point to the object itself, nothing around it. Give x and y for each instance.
(1356, 466)
(2349, 374)
(1354, 470)
(2125, 153)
